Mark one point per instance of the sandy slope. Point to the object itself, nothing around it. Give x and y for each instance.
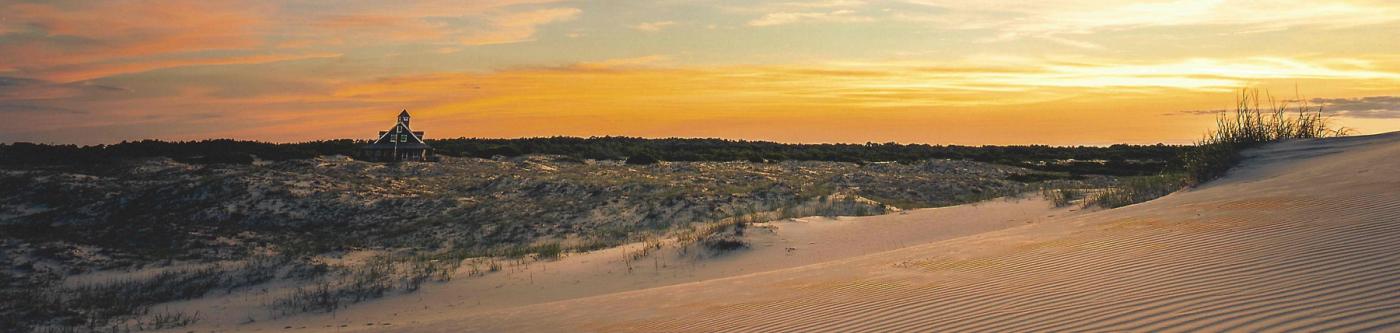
(777, 245)
(1304, 237)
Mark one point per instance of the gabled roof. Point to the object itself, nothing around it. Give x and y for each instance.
(387, 139)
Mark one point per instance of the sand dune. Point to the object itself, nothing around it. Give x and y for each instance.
(1304, 237)
(773, 246)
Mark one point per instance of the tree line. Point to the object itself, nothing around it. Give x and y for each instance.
(1112, 160)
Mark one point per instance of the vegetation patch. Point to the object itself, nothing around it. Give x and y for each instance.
(374, 278)
(125, 304)
(1132, 190)
(1251, 125)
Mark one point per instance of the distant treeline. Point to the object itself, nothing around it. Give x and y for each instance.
(1116, 159)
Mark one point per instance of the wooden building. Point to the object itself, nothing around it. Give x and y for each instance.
(399, 143)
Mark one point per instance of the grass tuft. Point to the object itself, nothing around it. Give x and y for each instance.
(1251, 125)
(1132, 190)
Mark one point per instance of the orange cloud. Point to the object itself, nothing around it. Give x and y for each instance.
(852, 102)
(623, 62)
(80, 72)
(103, 31)
(518, 27)
(88, 40)
(1002, 101)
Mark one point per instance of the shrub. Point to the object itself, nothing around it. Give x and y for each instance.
(549, 250)
(642, 159)
(725, 243)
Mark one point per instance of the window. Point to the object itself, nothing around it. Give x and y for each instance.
(403, 138)
(391, 138)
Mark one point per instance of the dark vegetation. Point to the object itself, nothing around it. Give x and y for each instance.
(1117, 160)
(57, 221)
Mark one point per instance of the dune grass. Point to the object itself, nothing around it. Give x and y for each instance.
(125, 304)
(1132, 190)
(1248, 125)
(1116, 193)
(374, 278)
(1251, 125)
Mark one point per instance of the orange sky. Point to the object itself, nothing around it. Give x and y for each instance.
(930, 71)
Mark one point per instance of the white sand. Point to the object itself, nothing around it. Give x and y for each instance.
(1306, 236)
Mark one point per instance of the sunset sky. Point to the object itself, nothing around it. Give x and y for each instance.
(926, 71)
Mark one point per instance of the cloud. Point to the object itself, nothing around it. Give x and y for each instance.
(74, 41)
(623, 62)
(287, 102)
(14, 89)
(518, 27)
(1361, 107)
(1058, 18)
(653, 26)
(16, 108)
(1074, 43)
(78, 72)
(781, 18)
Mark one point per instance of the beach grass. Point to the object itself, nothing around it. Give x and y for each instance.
(1251, 125)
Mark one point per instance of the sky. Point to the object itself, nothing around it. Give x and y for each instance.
(911, 71)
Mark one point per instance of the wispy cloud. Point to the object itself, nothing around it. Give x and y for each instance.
(653, 26)
(67, 41)
(1362, 107)
(623, 62)
(781, 18)
(1040, 18)
(518, 27)
(22, 90)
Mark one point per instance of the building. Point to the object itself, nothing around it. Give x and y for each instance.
(399, 143)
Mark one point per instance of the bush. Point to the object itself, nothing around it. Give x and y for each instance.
(641, 159)
(724, 243)
(550, 250)
(1250, 126)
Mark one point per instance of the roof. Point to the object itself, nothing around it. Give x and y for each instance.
(388, 139)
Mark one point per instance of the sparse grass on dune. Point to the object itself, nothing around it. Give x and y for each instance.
(125, 304)
(1117, 192)
(1132, 190)
(374, 278)
(1251, 125)
(1248, 126)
